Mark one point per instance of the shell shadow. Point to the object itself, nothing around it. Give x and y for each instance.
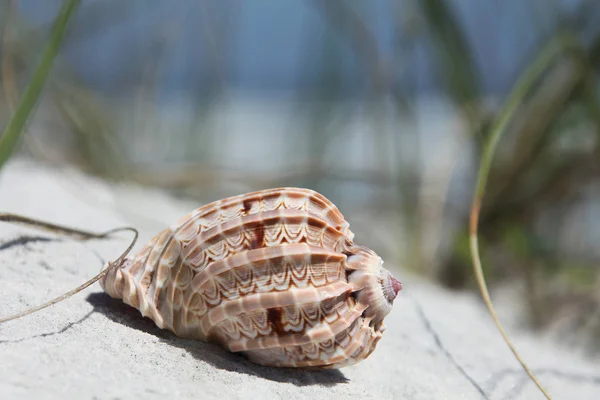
(213, 354)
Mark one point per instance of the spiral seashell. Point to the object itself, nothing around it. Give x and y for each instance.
(272, 274)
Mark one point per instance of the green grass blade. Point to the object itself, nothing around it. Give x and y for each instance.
(16, 125)
(451, 49)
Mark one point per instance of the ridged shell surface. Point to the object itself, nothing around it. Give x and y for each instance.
(272, 274)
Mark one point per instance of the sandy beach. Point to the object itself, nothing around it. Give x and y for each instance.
(438, 344)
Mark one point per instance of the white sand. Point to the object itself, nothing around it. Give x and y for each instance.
(439, 345)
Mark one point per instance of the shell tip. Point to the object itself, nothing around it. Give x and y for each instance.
(396, 285)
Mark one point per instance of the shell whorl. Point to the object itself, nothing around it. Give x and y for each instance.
(273, 274)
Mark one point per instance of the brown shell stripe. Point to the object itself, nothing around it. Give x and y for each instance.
(260, 230)
(300, 255)
(356, 342)
(267, 200)
(318, 333)
(261, 301)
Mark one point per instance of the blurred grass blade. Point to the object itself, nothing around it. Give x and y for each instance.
(16, 125)
(523, 86)
(455, 61)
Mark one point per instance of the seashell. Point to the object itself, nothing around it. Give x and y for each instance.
(273, 274)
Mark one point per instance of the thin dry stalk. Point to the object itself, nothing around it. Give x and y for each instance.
(523, 86)
(76, 233)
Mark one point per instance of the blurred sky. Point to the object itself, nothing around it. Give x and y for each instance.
(275, 45)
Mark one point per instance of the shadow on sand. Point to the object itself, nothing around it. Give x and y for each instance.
(121, 313)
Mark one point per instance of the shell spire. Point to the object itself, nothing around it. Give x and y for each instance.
(274, 275)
